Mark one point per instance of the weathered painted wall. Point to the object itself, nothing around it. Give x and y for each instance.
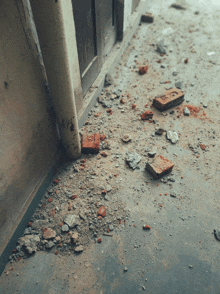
(28, 134)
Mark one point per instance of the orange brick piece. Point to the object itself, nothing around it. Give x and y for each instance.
(91, 143)
(170, 99)
(159, 166)
(143, 69)
(147, 115)
(102, 211)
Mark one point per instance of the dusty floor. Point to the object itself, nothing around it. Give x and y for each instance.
(180, 253)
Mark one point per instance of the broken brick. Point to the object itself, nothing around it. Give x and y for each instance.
(159, 166)
(91, 143)
(122, 100)
(202, 146)
(50, 200)
(147, 115)
(143, 69)
(56, 252)
(186, 60)
(99, 240)
(170, 98)
(74, 197)
(146, 227)
(102, 211)
(104, 154)
(102, 137)
(48, 233)
(134, 106)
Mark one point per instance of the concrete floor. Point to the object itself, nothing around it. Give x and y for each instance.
(180, 253)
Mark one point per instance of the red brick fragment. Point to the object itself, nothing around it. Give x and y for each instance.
(99, 217)
(143, 69)
(74, 197)
(104, 192)
(99, 240)
(102, 137)
(146, 227)
(202, 146)
(159, 166)
(109, 110)
(56, 252)
(96, 114)
(50, 200)
(147, 115)
(102, 211)
(104, 154)
(29, 224)
(91, 143)
(169, 99)
(134, 106)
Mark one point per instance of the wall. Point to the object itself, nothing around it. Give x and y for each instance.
(28, 133)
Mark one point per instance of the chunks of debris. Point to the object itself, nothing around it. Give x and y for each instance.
(133, 159)
(177, 6)
(178, 85)
(159, 132)
(102, 211)
(126, 138)
(79, 249)
(186, 111)
(91, 143)
(172, 136)
(147, 115)
(146, 227)
(29, 242)
(202, 146)
(170, 99)
(159, 166)
(160, 48)
(125, 269)
(173, 194)
(71, 220)
(107, 104)
(217, 234)
(75, 237)
(48, 233)
(152, 153)
(108, 80)
(99, 240)
(143, 69)
(65, 228)
(50, 244)
(147, 17)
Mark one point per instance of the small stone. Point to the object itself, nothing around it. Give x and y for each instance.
(27, 231)
(50, 244)
(49, 233)
(178, 85)
(159, 132)
(175, 73)
(111, 227)
(108, 80)
(125, 269)
(205, 105)
(217, 234)
(186, 111)
(160, 48)
(108, 188)
(107, 104)
(143, 69)
(133, 159)
(71, 176)
(172, 136)
(126, 138)
(152, 153)
(191, 266)
(143, 287)
(147, 17)
(79, 249)
(65, 228)
(71, 220)
(75, 237)
(172, 194)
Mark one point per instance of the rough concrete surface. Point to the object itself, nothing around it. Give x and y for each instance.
(179, 253)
